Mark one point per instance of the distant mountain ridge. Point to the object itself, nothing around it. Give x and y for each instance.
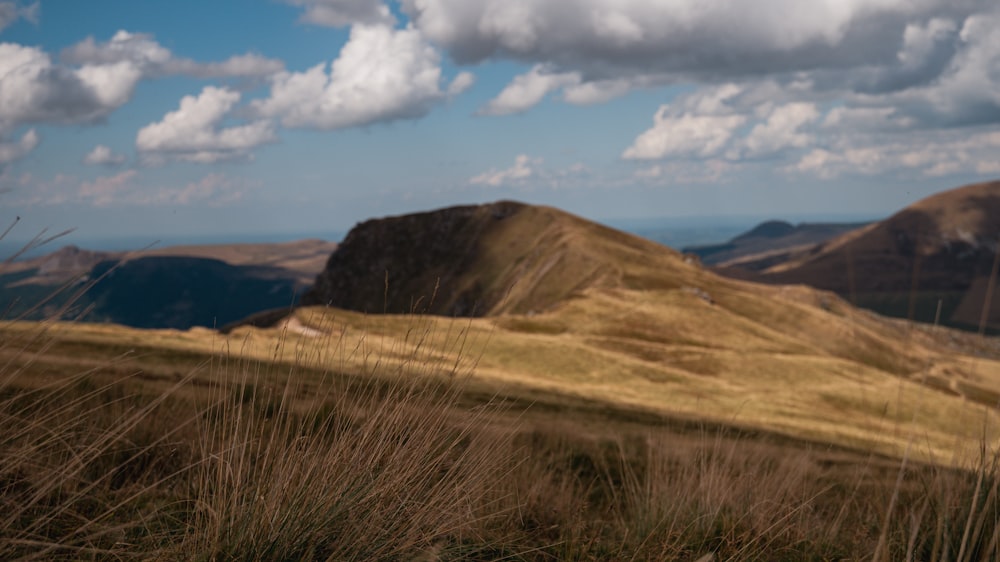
(941, 248)
(173, 287)
(770, 242)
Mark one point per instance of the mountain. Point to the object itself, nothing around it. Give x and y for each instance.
(557, 304)
(940, 249)
(485, 260)
(173, 287)
(769, 243)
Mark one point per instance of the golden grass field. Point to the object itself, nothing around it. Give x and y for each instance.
(657, 412)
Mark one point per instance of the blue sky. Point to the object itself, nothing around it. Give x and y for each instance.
(133, 119)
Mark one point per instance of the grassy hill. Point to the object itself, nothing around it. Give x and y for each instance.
(615, 402)
(941, 248)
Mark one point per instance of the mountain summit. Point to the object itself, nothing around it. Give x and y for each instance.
(483, 260)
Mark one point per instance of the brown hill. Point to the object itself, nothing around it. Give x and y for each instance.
(485, 260)
(941, 248)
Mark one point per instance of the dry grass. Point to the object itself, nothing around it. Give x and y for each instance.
(394, 465)
(385, 438)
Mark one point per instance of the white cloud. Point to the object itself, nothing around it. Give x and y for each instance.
(921, 40)
(213, 190)
(969, 88)
(612, 38)
(11, 151)
(150, 59)
(101, 155)
(524, 168)
(935, 153)
(651, 172)
(342, 13)
(865, 119)
(192, 132)
(527, 90)
(126, 189)
(699, 126)
(382, 74)
(686, 172)
(781, 130)
(33, 89)
(106, 190)
(462, 82)
(10, 12)
(602, 91)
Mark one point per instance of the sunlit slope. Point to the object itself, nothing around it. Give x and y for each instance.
(755, 358)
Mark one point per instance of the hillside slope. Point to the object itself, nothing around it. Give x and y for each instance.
(940, 248)
(570, 307)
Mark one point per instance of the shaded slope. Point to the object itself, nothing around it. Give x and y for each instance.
(172, 287)
(940, 248)
(181, 292)
(484, 260)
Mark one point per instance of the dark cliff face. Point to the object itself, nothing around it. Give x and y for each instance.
(413, 263)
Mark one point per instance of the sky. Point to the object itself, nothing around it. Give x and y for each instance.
(146, 119)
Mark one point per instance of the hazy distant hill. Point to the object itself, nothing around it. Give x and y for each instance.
(941, 248)
(770, 242)
(174, 287)
(482, 260)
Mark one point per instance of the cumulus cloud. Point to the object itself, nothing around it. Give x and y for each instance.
(524, 167)
(341, 13)
(98, 78)
(936, 153)
(462, 82)
(192, 132)
(934, 60)
(688, 36)
(101, 155)
(601, 91)
(141, 51)
(527, 90)
(15, 150)
(781, 129)
(699, 126)
(968, 91)
(382, 74)
(34, 90)
(10, 12)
